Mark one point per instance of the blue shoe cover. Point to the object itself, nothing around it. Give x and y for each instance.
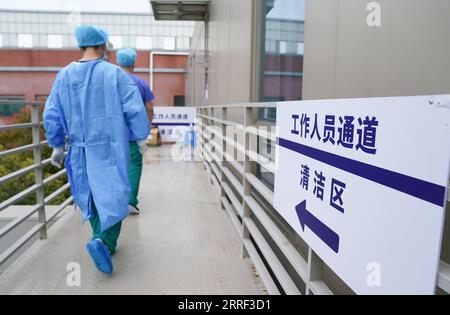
(100, 255)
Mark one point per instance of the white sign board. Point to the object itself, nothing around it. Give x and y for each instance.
(173, 122)
(364, 183)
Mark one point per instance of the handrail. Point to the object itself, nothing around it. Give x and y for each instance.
(266, 239)
(25, 103)
(38, 188)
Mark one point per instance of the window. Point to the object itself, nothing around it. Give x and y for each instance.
(1, 40)
(116, 41)
(179, 101)
(55, 41)
(144, 42)
(301, 49)
(169, 43)
(24, 40)
(281, 76)
(281, 64)
(283, 48)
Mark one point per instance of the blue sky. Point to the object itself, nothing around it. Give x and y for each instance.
(288, 9)
(85, 5)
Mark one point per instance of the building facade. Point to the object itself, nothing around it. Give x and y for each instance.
(35, 45)
(28, 74)
(250, 50)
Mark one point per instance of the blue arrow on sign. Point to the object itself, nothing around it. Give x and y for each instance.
(327, 235)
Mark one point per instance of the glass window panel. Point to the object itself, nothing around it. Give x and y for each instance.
(40, 41)
(24, 40)
(12, 40)
(116, 41)
(282, 63)
(282, 32)
(11, 17)
(301, 48)
(283, 48)
(169, 43)
(55, 41)
(20, 28)
(144, 42)
(28, 28)
(141, 30)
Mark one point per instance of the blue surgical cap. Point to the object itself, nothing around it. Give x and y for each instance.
(126, 57)
(91, 36)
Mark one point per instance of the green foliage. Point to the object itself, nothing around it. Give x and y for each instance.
(16, 138)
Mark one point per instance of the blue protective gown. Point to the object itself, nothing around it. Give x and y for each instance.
(96, 105)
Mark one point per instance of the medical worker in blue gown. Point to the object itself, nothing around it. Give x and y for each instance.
(92, 109)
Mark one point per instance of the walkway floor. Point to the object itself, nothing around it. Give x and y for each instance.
(182, 243)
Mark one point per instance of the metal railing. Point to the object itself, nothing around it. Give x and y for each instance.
(285, 263)
(38, 188)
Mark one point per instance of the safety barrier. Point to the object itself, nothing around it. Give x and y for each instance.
(285, 263)
(38, 188)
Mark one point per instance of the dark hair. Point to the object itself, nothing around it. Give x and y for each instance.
(96, 47)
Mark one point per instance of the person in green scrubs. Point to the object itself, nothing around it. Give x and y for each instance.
(126, 59)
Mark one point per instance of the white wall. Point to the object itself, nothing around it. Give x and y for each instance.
(407, 55)
(230, 34)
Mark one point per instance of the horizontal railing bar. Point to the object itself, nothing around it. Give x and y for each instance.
(20, 126)
(269, 284)
(18, 102)
(270, 166)
(295, 259)
(236, 165)
(13, 224)
(59, 209)
(262, 132)
(234, 181)
(13, 175)
(54, 176)
(19, 196)
(234, 201)
(319, 287)
(232, 214)
(21, 242)
(286, 282)
(18, 150)
(206, 165)
(56, 193)
(234, 106)
(216, 184)
(235, 144)
(254, 130)
(215, 170)
(46, 162)
(222, 121)
(217, 132)
(444, 277)
(260, 187)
